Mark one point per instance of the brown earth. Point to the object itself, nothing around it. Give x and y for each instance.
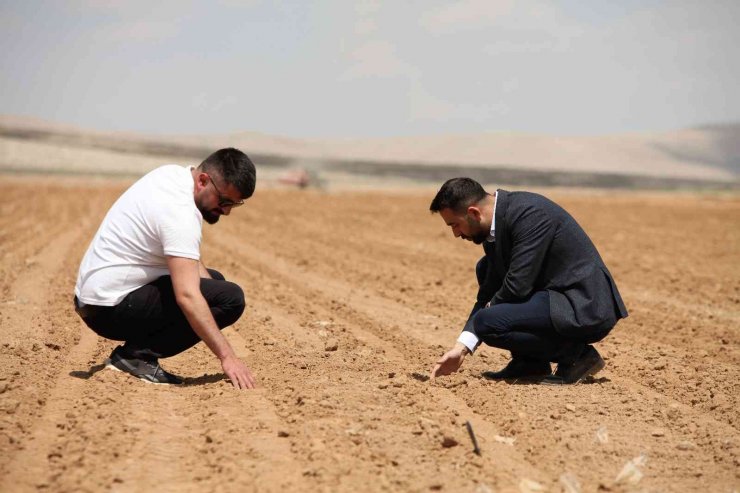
(379, 277)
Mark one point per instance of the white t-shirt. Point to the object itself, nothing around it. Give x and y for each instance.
(154, 218)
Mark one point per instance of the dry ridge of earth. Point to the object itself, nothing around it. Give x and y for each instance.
(351, 298)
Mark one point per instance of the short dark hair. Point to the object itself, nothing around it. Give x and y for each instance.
(234, 167)
(457, 194)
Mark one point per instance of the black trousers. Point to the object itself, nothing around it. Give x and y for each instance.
(526, 329)
(153, 325)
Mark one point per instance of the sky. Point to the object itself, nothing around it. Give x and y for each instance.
(338, 68)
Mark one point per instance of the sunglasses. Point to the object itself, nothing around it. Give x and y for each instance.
(224, 201)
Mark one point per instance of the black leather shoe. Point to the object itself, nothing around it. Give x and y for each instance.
(588, 363)
(521, 368)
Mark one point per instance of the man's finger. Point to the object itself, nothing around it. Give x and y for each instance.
(248, 382)
(247, 378)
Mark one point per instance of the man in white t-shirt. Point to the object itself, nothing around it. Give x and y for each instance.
(141, 280)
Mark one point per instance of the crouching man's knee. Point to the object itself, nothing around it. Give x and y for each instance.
(239, 302)
(488, 323)
(231, 305)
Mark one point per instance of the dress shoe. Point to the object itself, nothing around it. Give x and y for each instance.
(521, 368)
(588, 363)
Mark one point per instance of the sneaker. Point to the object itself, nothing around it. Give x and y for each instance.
(588, 363)
(520, 368)
(148, 371)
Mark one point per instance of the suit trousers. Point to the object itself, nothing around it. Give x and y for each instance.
(525, 329)
(152, 324)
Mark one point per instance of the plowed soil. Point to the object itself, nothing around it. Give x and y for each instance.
(351, 298)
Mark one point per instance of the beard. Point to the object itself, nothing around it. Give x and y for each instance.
(479, 238)
(210, 217)
(479, 235)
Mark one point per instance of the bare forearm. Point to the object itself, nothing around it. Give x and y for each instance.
(204, 274)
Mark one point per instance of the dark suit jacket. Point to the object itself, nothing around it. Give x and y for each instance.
(539, 246)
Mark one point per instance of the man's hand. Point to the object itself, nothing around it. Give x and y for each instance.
(186, 284)
(237, 372)
(451, 361)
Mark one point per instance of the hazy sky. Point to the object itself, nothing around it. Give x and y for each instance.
(375, 68)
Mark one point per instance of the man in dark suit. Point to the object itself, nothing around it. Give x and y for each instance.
(544, 293)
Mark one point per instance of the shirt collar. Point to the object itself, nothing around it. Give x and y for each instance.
(492, 235)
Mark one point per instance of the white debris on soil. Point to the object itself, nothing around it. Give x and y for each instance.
(602, 435)
(529, 486)
(506, 440)
(570, 483)
(631, 473)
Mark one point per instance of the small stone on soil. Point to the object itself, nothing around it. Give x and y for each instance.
(448, 441)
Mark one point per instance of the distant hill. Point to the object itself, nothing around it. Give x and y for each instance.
(707, 156)
(722, 152)
(710, 153)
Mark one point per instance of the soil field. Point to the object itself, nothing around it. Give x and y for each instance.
(377, 277)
